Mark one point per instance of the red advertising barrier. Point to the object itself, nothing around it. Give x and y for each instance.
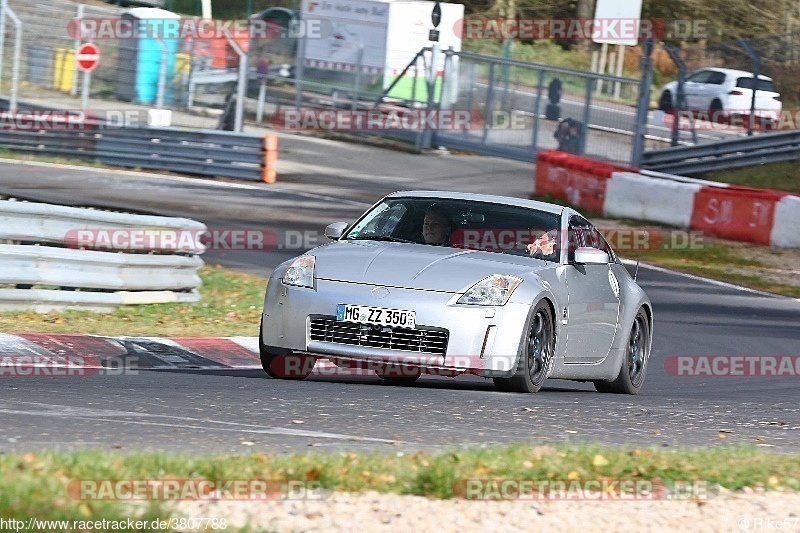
(738, 213)
(579, 180)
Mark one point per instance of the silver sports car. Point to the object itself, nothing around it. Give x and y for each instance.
(448, 283)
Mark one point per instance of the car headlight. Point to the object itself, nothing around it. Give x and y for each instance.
(494, 290)
(300, 272)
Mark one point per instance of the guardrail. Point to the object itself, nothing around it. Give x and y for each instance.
(720, 155)
(43, 268)
(201, 152)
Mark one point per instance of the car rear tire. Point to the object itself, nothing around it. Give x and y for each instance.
(536, 363)
(716, 113)
(634, 365)
(280, 363)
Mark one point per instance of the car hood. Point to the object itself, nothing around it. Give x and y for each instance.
(415, 266)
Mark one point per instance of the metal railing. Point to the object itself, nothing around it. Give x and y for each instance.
(44, 268)
(200, 152)
(719, 155)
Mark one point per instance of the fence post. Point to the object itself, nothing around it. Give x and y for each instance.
(487, 116)
(643, 102)
(3, 7)
(587, 109)
(73, 90)
(756, 71)
(537, 105)
(17, 56)
(270, 152)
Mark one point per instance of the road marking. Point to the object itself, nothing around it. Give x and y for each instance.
(102, 415)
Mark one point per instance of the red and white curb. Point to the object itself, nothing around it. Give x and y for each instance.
(136, 353)
(142, 352)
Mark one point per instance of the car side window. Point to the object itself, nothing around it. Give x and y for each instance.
(716, 78)
(701, 76)
(582, 233)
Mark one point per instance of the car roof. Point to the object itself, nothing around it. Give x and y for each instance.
(489, 198)
(734, 72)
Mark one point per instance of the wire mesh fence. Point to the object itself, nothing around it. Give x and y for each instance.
(513, 108)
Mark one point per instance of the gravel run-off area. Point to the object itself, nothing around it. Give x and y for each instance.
(747, 510)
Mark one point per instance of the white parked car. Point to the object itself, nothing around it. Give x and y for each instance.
(724, 90)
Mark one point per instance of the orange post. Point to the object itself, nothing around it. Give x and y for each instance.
(269, 166)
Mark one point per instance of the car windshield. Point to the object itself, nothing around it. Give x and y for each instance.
(461, 224)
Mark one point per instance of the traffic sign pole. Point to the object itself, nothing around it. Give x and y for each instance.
(87, 79)
(87, 59)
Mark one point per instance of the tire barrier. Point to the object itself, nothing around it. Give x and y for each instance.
(761, 216)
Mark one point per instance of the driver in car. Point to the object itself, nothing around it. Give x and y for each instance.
(436, 228)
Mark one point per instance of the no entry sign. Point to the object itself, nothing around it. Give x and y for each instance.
(88, 57)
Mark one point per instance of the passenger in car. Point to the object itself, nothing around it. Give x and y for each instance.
(545, 246)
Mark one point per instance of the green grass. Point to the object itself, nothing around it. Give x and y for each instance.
(783, 176)
(36, 484)
(716, 261)
(230, 305)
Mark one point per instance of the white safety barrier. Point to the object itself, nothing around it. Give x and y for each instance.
(632, 195)
(786, 225)
(28, 221)
(56, 275)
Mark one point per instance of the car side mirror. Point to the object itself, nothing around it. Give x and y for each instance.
(586, 255)
(336, 230)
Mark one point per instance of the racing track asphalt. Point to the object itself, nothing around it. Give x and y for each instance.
(216, 411)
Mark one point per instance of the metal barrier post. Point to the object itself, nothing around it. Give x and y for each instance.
(427, 135)
(12, 104)
(756, 70)
(241, 89)
(298, 73)
(537, 106)
(357, 82)
(680, 97)
(643, 102)
(73, 90)
(487, 116)
(586, 115)
(162, 74)
(3, 7)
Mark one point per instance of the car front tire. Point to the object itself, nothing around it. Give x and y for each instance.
(280, 363)
(634, 365)
(536, 362)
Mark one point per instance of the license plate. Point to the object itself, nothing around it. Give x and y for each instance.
(377, 316)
